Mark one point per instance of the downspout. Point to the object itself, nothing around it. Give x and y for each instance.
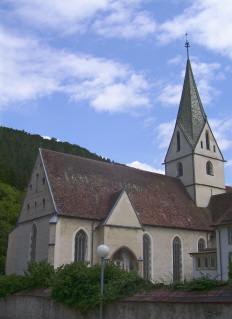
(92, 243)
(220, 254)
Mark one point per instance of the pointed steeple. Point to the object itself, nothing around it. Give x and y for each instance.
(191, 116)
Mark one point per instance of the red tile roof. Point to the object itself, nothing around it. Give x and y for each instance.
(221, 208)
(87, 188)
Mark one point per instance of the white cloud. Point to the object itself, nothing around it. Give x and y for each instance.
(32, 70)
(209, 22)
(229, 163)
(125, 20)
(170, 94)
(118, 18)
(165, 131)
(145, 167)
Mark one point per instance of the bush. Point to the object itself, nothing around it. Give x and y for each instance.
(203, 283)
(38, 275)
(11, 284)
(78, 286)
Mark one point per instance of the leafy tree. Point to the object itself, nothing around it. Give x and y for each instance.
(10, 203)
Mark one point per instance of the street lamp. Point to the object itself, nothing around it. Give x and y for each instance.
(102, 252)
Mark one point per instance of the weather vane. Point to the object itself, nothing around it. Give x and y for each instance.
(187, 45)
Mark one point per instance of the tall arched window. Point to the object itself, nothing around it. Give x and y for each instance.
(81, 241)
(33, 243)
(178, 141)
(179, 169)
(209, 168)
(177, 259)
(146, 256)
(201, 244)
(207, 140)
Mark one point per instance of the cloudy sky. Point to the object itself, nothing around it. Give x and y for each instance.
(107, 74)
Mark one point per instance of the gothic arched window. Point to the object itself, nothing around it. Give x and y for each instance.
(209, 168)
(146, 256)
(207, 140)
(33, 243)
(178, 140)
(177, 259)
(81, 241)
(201, 244)
(179, 169)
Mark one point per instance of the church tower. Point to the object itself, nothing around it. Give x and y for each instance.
(193, 154)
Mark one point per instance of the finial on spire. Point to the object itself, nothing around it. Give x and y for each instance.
(187, 46)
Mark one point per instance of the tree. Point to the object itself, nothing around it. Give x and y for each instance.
(10, 203)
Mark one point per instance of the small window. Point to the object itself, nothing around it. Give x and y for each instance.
(209, 168)
(43, 180)
(178, 141)
(207, 140)
(212, 263)
(37, 182)
(201, 144)
(30, 187)
(206, 263)
(35, 206)
(230, 235)
(198, 263)
(214, 148)
(179, 169)
(44, 203)
(28, 208)
(201, 244)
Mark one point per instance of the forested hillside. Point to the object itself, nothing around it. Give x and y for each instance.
(18, 151)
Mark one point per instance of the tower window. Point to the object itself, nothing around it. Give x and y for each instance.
(44, 203)
(28, 208)
(179, 169)
(43, 180)
(178, 141)
(201, 144)
(207, 140)
(209, 168)
(214, 148)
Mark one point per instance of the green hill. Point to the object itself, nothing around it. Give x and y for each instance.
(18, 151)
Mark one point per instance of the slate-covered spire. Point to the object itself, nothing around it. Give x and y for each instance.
(191, 116)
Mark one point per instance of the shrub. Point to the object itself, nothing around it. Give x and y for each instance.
(11, 284)
(78, 286)
(39, 274)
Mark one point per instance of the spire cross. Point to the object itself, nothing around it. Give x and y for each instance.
(187, 45)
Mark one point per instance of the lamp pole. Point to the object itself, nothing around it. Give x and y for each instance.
(102, 252)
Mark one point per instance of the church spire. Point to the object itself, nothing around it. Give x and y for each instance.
(191, 116)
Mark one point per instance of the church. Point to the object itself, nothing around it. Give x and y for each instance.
(171, 226)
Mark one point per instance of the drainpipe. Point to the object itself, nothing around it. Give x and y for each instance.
(220, 254)
(92, 243)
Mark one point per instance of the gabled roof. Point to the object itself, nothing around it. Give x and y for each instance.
(221, 208)
(191, 116)
(87, 188)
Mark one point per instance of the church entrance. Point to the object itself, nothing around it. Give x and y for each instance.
(125, 259)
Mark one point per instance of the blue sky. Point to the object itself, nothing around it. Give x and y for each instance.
(107, 74)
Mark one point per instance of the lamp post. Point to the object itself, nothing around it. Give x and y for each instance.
(102, 252)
